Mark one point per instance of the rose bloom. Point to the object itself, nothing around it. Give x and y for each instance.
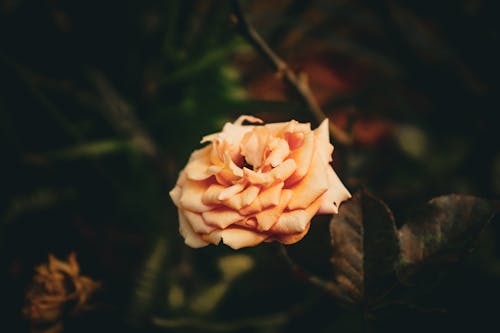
(257, 183)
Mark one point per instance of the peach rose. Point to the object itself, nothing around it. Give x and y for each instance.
(257, 183)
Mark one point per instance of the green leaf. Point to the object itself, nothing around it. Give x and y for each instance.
(365, 249)
(443, 230)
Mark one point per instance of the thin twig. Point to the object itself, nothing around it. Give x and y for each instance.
(298, 82)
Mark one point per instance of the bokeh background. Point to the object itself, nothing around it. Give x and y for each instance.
(101, 103)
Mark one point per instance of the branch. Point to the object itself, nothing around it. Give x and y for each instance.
(298, 82)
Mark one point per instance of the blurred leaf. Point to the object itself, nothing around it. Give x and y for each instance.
(149, 282)
(209, 59)
(39, 199)
(94, 149)
(235, 265)
(365, 249)
(443, 231)
(231, 267)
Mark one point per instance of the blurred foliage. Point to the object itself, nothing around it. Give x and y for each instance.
(101, 104)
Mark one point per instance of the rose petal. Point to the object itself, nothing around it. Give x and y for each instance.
(175, 194)
(302, 157)
(271, 196)
(253, 146)
(279, 151)
(312, 186)
(253, 208)
(197, 223)
(250, 119)
(192, 194)
(258, 178)
(322, 141)
(293, 238)
(211, 195)
(231, 191)
(284, 170)
(191, 238)
(198, 168)
(269, 217)
(222, 217)
(335, 195)
(249, 195)
(295, 140)
(236, 237)
(296, 221)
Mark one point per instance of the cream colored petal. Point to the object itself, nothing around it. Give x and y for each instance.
(253, 146)
(250, 119)
(296, 221)
(238, 238)
(258, 178)
(267, 218)
(228, 162)
(231, 191)
(192, 195)
(249, 195)
(302, 157)
(222, 217)
(313, 185)
(175, 194)
(198, 168)
(271, 195)
(322, 141)
(253, 208)
(284, 170)
(197, 223)
(293, 238)
(279, 151)
(242, 199)
(335, 195)
(211, 195)
(191, 238)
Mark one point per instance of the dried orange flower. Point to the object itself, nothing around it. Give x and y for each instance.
(257, 183)
(55, 286)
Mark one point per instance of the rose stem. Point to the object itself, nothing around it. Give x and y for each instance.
(327, 286)
(298, 82)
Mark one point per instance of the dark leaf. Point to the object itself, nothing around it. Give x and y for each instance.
(443, 231)
(365, 249)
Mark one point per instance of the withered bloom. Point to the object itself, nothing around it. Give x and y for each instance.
(57, 288)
